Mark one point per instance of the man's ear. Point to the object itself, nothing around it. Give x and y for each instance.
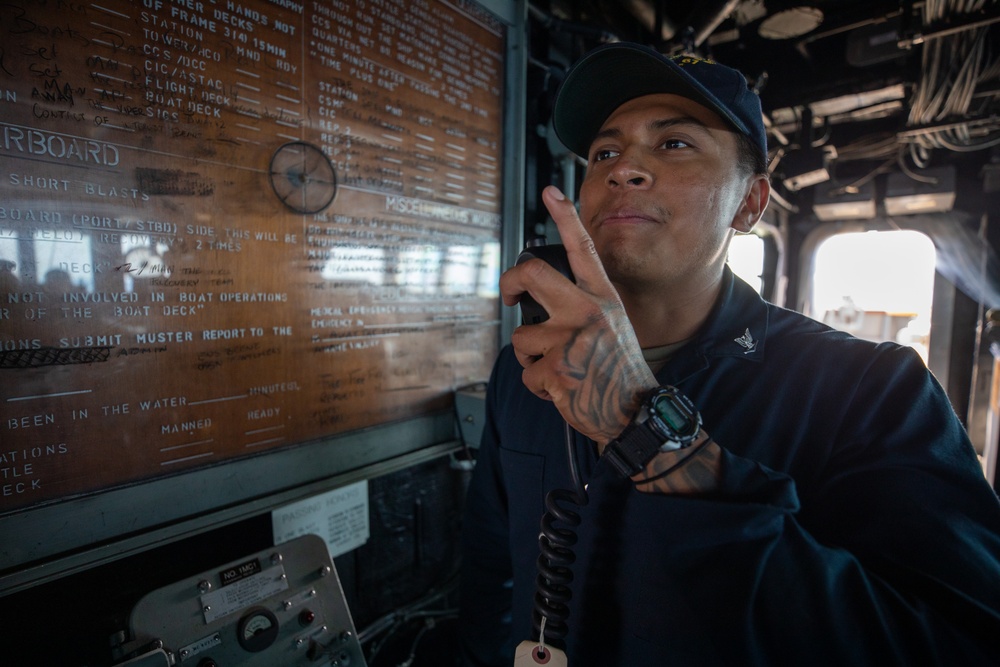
(753, 205)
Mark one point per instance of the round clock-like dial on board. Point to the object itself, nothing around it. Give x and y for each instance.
(303, 177)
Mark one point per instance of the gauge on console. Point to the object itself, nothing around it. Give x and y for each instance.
(257, 630)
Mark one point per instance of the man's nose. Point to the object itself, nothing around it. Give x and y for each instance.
(629, 172)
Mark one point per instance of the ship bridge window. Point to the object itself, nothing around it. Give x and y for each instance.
(54, 258)
(877, 285)
(489, 271)
(746, 259)
(10, 270)
(63, 260)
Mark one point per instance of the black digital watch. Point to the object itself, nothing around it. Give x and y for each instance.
(667, 420)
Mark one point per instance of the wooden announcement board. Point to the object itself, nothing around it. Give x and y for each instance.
(233, 226)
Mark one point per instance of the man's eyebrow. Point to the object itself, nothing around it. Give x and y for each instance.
(677, 120)
(656, 125)
(608, 133)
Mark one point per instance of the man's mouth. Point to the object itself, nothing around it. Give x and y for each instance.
(626, 216)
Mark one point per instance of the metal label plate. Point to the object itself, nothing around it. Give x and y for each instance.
(233, 574)
(243, 593)
(197, 647)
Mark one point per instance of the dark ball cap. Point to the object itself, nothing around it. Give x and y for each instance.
(613, 74)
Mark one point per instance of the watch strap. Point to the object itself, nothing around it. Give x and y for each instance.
(633, 449)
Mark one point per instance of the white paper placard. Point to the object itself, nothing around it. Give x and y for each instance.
(340, 517)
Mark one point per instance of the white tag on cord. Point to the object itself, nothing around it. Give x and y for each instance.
(529, 654)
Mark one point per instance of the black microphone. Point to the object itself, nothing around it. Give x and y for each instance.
(555, 254)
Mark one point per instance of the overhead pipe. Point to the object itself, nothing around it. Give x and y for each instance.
(980, 19)
(650, 17)
(700, 24)
(550, 22)
(704, 20)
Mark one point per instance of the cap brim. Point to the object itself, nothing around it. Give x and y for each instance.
(613, 74)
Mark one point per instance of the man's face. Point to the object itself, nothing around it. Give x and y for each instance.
(663, 192)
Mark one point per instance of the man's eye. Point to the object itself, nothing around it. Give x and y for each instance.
(604, 154)
(674, 143)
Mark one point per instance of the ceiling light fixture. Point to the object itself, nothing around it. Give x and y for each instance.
(790, 23)
(905, 195)
(808, 167)
(841, 202)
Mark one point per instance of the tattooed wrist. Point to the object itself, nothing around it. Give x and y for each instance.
(693, 470)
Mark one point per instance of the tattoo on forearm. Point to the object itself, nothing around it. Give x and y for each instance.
(697, 471)
(600, 404)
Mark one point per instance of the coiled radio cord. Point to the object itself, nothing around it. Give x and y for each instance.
(556, 557)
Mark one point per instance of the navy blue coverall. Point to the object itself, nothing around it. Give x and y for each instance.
(853, 525)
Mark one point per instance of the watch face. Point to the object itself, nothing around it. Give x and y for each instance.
(674, 414)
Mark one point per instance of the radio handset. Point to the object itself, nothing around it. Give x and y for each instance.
(558, 525)
(555, 254)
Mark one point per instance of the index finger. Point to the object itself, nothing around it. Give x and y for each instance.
(580, 249)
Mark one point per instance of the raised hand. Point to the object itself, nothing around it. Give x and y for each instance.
(585, 357)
